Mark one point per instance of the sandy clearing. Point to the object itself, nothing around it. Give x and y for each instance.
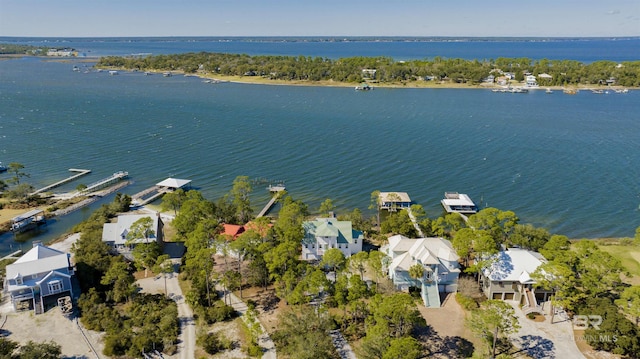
(51, 326)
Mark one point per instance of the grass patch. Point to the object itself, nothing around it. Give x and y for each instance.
(629, 255)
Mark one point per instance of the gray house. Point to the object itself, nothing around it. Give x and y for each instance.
(509, 278)
(116, 234)
(38, 278)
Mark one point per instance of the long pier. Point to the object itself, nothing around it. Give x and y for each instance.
(276, 194)
(66, 180)
(105, 182)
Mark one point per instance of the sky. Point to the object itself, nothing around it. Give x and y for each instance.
(513, 18)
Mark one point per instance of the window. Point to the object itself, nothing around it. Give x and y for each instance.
(19, 280)
(55, 286)
(355, 241)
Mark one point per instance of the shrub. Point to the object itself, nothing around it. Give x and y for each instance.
(218, 313)
(213, 343)
(466, 302)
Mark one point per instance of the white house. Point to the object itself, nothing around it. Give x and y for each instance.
(509, 277)
(327, 233)
(435, 255)
(38, 278)
(531, 81)
(115, 234)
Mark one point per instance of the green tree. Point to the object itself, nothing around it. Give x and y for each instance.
(498, 223)
(288, 226)
(303, 334)
(630, 302)
(494, 319)
(416, 272)
(326, 207)
(141, 229)
(164, 266)
(46, 350)
(376, 204)
(172, 201)
(19, 192)
(119, 278)
(145, 255)
(3, 185)
(448, 225)
(404, 348)
(7, 347)
(558, 246)
(16, 169)
(334, 259)
(529, 237)
(240, 194)
(376, 263)
(358, 262)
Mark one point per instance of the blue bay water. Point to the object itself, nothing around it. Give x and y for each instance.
(567, 163)
(585, 50)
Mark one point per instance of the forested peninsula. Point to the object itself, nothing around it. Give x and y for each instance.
(385, 70)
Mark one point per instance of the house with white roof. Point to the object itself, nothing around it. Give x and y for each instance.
(116, 234)
(437, 257)
(38, 278)
(531, 81)
(509, 277)
(326, 233)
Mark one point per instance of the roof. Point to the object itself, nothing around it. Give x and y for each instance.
(402, 197)
(233, 230)
(117, 232)
(39, 259)
(173, 183)
(457, 199)
(514, 265)
(428, 251)
(24, 216)
(330, 227)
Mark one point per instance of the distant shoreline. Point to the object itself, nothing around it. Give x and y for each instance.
(257, 80)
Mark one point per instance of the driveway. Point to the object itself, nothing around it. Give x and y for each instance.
(543, 340)
(187, 337)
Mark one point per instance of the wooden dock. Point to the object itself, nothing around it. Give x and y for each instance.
(105, 182)
(148, 195)
(276, 194)
(66, 180)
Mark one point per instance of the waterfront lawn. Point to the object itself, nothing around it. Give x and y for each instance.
(629, 255)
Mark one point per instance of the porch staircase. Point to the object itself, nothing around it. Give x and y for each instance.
(38, 305)
(531, 305)
(430, 295)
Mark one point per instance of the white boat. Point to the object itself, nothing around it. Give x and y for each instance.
(454, 202)
(166, 74)
(2, 167)
(364, 87)
(548, 91)
(113, 72)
